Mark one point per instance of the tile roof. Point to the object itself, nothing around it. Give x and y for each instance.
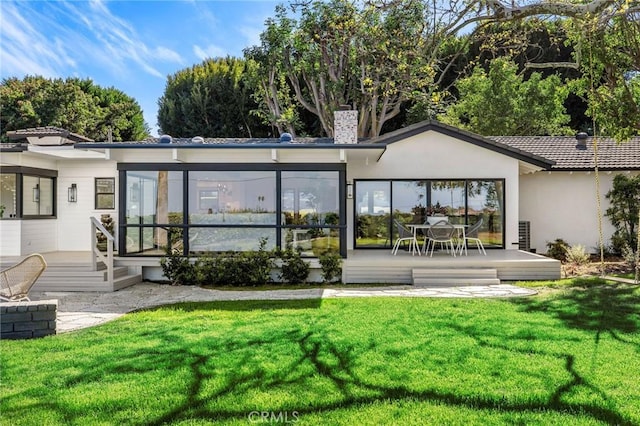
(566, 153)
(46, 131)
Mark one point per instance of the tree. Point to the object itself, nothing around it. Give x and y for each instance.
(606, 38)
(73, 104)
(624, 212)
(373, 59)
(500, 102)
(211, 99)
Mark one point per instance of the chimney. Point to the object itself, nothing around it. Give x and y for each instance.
(345, 125)
(581, 137)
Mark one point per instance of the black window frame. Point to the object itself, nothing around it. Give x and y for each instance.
(20, 173)
(278, 168)
(96, 193)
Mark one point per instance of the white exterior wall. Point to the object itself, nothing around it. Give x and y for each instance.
(564, 205)
(74, 227)
(10, 236)
(432, 155)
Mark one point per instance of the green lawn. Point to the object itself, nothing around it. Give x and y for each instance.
(569, 356)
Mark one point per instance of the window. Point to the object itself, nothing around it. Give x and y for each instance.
(37, 196)
(465, 202)
(8, 199)
(197, 208)
(105, 193)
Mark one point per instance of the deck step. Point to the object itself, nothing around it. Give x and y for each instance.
(68, 278)
(447, 277)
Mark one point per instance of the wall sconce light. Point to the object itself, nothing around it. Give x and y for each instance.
(36, 193)
(349, 190)
(72, 193)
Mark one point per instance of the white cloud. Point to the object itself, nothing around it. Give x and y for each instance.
(56, 38)
(211, 51)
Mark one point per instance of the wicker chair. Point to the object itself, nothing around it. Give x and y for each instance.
(16, 281)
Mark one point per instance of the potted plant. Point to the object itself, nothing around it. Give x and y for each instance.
(107, 222)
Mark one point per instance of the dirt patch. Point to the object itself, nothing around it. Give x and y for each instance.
(594, 268)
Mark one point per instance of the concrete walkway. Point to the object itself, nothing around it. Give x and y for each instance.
(78, 310)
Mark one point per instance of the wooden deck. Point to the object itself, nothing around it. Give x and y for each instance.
(380, 266)
(72, 271)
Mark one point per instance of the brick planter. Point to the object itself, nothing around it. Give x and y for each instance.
(26, 320)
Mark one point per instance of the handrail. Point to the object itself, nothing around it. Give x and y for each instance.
(97, 254)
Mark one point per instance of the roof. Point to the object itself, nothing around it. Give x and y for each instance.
(567, 155)
(46, 131)
(255, 143)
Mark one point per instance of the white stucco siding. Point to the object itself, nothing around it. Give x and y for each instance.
(432, 155)
(564, 205)
(73, 218)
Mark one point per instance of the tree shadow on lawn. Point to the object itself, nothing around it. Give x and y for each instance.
(231, 367)
(228, 369)
(611, 308)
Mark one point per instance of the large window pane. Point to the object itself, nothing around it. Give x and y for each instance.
(448, 199)
(310, 198)
(8, 201)
(409, 201)
(486, 203)
(233, 198)
(373, 213)
(152, 197)
(311, 242)
(37, 196)
(202, 240)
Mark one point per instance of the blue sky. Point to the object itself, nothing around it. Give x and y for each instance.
(130, 45)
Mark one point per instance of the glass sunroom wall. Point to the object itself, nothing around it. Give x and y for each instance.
(230, 210)
(372, 201)
(310, 204)
(153, 198)
(486, 203)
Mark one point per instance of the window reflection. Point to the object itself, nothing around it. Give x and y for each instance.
(8, 201)
(310, 198)
(232, 197)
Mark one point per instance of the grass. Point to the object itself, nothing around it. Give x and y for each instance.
(567, 356)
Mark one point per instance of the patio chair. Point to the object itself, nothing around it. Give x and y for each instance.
(442, 232)
(404, 234)
(16, 281)
(472, 235)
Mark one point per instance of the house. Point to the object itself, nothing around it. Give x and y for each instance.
(318, 194)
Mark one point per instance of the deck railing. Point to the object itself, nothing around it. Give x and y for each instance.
(97, 254)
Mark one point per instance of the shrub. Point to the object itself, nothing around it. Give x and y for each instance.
(558, 249)
(331, 263)
(237, 269)
(577, 255)
(294, 270)
(624, 211)
(178, 269)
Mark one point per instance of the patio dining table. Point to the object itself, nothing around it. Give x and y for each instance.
(461, 230)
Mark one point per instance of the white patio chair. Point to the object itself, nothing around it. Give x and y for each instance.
(472, 235)
(405, 234)
(442, 232)
(16, 281)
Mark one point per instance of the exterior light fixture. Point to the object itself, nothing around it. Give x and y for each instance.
(349, 189)
(72, 193)
(36, 193)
